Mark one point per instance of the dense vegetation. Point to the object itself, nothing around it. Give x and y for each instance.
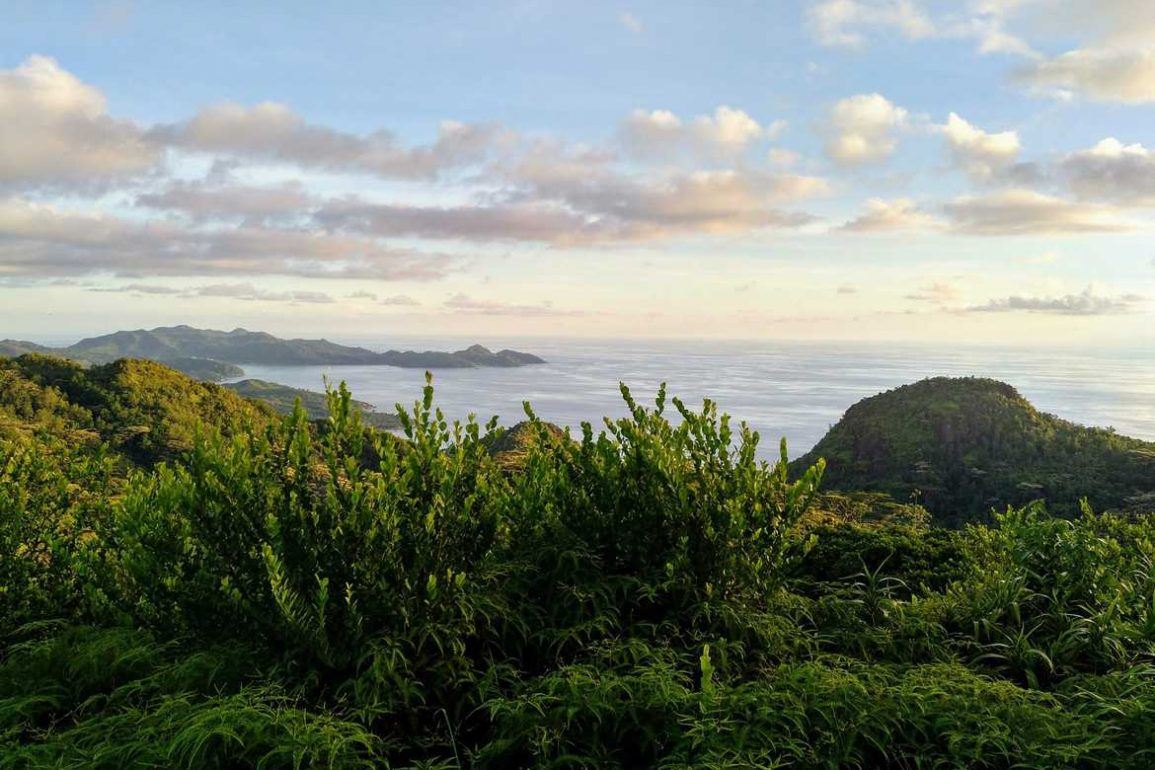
(204, 369)
(284, 399)
(962, 447)
(282, 594)
(138, 411)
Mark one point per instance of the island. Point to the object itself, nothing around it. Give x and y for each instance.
(204, 353)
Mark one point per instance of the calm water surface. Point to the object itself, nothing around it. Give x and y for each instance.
(782, 389)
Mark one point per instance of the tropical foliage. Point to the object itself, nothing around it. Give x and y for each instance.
(964, 446)
(281, 594)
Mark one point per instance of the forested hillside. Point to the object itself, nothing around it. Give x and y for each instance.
(962, 447)
(140, 409)
(284, 399)
(274, 592)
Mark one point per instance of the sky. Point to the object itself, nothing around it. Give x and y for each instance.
(888, 170)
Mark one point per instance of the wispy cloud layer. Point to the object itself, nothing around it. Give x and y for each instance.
(1024, 212)
(1085, 303)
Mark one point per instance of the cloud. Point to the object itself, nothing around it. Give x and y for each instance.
(1114, 63)
(1112, 171)
(1113, 23)
(1100, 74)
(725, 133)
(847, 289)
(201, 202)
(979, 153)
(1086, 303)
(842, 22)
(463, 303)
(55, 130)
(249, 292)
(140, 288)
(682, 203)
(400, 300)
(862, 129)
(882, 216)
(631, 22)
(362, 295)
(782, 158)
(273, 132)
(481, 223)
(566, 204)
(938, 293)
(42, 240)
(1024, 212)
(242, 291)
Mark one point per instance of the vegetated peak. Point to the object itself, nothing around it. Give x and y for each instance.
(965, 446)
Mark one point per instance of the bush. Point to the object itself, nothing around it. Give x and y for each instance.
(287, 594)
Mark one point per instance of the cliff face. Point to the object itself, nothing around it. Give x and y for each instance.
(964, 446)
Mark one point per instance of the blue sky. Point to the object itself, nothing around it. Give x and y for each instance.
(739, 169)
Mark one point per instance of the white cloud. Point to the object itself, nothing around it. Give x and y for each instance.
(1025, 212)
(55, 129)
(862, 129)
(782, 158)
(846, 23)
(273, 132)
(883, 216)
(206, 202)
(42, 240)
(463, 303)
(241, 291)
(1112, 171)
(842, 22)
(1085, 303)
(632, 22)
(937, 293)
(980, 153)
(725, 133)
(249, 292)
(400, 300)
(1100, 74)
(566, 205)
(520, 221)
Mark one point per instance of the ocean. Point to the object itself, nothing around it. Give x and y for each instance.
(795, 390)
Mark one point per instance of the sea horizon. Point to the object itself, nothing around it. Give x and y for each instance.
(795, 389)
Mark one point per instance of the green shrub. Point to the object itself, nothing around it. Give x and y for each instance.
(287, 594)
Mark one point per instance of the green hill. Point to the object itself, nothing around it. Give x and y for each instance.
(12, 348)
(964, 446)
(186, 346)
(283, 398)
(142, 409)
(205, 369)
(239, 346)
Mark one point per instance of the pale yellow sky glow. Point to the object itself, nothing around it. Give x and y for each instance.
(813, 188)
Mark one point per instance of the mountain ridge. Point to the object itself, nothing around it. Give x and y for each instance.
(240, 346)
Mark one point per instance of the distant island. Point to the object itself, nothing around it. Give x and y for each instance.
(215, 356)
